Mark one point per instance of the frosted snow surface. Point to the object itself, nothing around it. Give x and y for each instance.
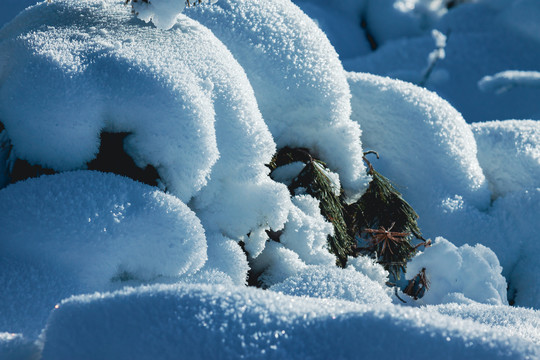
(202, 322)
(509, 153)
(334, 283)
(460, 274)
(423, 142)
(84, 231)
(180, 93)
(297, 77)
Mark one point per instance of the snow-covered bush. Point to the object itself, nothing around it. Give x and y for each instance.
(297, 77)
(426, 145)
(203, 103)
(183, 110)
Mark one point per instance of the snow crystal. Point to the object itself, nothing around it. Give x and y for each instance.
(297, 78)
(509, 153)
(330, 282)
(474, 272)
(203, 321)
(83, 231)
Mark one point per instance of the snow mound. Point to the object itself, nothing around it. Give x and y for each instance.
(423, 142)
(297, 77)
(84, 231)
(509, 153)
(327, 282)
(506, 80)
(203, 321)
(484, 38)
(460, 274)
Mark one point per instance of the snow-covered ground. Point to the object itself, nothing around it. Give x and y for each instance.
(98, 266)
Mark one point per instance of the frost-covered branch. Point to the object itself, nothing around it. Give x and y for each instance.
(434, 56)
(505, 80)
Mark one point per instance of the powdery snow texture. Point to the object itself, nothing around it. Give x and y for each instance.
(423, 142)
(83, 231)
(180, 93)
(297, 78)
(202, 322)
(509, 153)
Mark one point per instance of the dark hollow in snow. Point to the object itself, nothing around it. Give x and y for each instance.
(113, 158)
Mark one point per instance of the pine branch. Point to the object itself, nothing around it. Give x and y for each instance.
(379, 210)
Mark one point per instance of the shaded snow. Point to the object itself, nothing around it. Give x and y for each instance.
(201, 322)
(484, 38)
(82, 231)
